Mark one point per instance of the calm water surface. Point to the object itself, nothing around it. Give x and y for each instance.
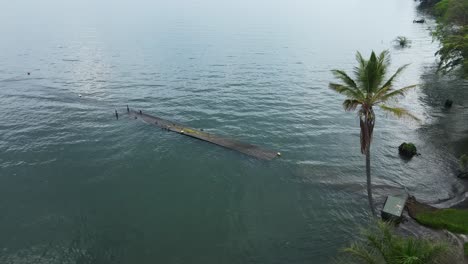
(78, 186)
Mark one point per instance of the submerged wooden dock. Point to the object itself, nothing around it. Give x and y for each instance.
(248, 149)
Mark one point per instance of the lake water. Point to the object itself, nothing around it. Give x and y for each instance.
(78, 186)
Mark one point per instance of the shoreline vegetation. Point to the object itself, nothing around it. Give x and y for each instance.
(451, 31)
(450, 219)
(379, 243)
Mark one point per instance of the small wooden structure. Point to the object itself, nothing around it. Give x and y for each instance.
(248, 149)
(393, 209)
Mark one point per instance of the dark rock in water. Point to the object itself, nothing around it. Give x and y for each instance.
(419, 21)
(407, 150)
(448, 103)
(29, 73)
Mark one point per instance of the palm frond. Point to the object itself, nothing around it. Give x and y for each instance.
(398, 112)
(359, 71)
(366, 90)
(362, 62)
(351, 104)
(380, 93)
(398, 71)
(402, 41)
(384, 58)
(375, 241)
(345, 90)
(375, 70)
(386, 229)
(399, 92)
(439, 251)
(380, 244)
(346, 79)
(341, 75)
(370, 74)
(362, 253)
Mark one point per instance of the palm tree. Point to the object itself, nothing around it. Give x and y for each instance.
(402, 41)
(380, 244)
(367, 90)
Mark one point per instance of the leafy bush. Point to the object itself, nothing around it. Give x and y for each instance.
(452, 31)
(380, 244)
(407, 149)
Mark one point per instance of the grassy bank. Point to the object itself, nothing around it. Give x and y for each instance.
(453, 220)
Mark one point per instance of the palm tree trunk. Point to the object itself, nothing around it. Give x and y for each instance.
(369, 183)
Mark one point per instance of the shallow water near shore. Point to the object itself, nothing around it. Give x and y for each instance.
(78, 185)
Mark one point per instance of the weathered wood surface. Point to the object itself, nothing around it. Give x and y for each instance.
(248, 149)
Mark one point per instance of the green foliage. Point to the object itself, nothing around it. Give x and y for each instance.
(403, 41)
(407, 149)
(450, 219)
(464, 162)
(452, 11)
(368, 87)
(466, 249)
(428, 3)
(380, 244)
(452, 31)
(440, 9)
(454, 50)
(367, 90)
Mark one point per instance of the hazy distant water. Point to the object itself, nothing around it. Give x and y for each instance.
(78, 186)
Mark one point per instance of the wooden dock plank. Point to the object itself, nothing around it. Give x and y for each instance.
(245, 148)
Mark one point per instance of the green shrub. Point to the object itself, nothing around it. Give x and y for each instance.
(440, 9)
(380, 244)
(452, 31)
(407, 149)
